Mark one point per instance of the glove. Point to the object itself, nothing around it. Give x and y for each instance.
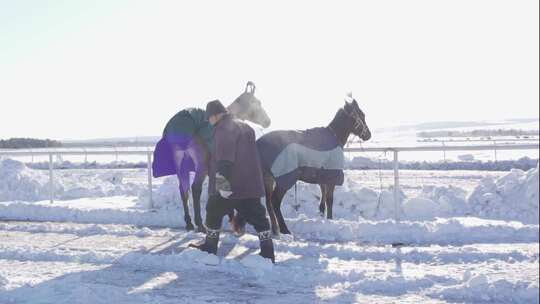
(223, 186)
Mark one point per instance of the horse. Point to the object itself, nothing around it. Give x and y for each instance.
(314, 156)
(169, 159)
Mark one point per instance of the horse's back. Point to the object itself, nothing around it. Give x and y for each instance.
(309, 155)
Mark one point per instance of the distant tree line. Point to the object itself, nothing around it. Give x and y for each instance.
(108, 144)
(479, 133)
(26, 143)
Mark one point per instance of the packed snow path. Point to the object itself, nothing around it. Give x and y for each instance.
(90, 263)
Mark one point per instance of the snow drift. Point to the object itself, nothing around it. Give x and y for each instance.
(511, 197)
(20, 183)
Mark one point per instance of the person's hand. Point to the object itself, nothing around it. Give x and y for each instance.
(223, 186)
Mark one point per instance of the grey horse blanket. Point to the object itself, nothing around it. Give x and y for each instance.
(312, 155)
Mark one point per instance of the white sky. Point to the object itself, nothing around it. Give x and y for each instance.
(88, 69)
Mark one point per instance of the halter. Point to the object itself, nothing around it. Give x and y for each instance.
(357, 123)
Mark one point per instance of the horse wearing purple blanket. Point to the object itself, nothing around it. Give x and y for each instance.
(184, 148)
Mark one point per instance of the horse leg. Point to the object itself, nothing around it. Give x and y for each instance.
(329, 201)
(196, 189)
(269, 188)
(277, 198)
(183, 182)
(322, 204)
(184, 193)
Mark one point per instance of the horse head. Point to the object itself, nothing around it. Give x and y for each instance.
(248, 107)
(358, 119)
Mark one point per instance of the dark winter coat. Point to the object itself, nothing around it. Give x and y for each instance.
(234, 142)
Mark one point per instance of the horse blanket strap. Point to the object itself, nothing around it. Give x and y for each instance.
(265, 235)
(212, 234)
(312, 155)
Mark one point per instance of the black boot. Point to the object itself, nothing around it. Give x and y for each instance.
(267, 246)
(210, 243)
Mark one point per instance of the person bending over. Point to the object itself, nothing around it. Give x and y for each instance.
(235, 180)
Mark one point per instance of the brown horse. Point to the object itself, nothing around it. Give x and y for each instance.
(348, 120)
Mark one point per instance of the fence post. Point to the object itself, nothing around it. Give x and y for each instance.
(444, 151)
(396, 185)
(149, 169)
(51, 178)
(495, 149)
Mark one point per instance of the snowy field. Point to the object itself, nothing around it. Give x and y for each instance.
(469, 237)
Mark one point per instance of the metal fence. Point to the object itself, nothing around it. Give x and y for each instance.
(394, 150)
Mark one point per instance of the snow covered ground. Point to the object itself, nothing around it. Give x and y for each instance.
(470, 237)
(88, 263)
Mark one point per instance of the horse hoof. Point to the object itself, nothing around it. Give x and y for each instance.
(190, 227)
(201, 229)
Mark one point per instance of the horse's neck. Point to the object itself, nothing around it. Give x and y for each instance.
(342, 137)
(342, 132)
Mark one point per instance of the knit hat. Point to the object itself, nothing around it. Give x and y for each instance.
(214, 107)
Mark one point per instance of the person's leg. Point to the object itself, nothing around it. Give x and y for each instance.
(255, 215)
(216, 208)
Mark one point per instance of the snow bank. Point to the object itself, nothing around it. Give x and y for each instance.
(479, 288)
(115, 211)
(20, 183)
(84, 229)
(511, 197)
(441, 231)
(167, 195)
(17, 182)
(3, 282)
(119, 210)
(435, 202)
(351, 201)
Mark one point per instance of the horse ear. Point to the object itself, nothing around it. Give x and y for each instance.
(250, 87)
(348, 98)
